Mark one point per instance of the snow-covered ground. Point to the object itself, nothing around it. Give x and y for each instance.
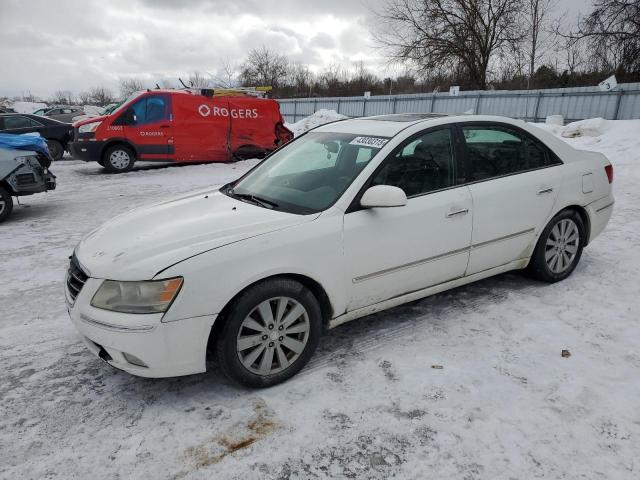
(505, 405)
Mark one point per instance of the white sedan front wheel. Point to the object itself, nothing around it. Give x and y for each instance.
(270, 333)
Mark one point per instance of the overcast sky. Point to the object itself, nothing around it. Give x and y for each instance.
(51, 45)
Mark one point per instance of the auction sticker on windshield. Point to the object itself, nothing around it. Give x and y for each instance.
(374, 142)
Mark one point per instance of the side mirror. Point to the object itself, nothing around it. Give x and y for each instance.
(126, 118)
(381, 196)
(130, 117)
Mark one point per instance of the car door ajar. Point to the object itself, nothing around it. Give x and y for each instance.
(514, 187)
(392, 251)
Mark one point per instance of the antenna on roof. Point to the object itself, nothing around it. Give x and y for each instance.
(157, 87)
(183, 84)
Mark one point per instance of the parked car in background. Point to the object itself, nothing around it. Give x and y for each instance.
(64, 114)
(351, 218)
(57, 134)
(109, 109)
(92, 111)
(24, 170)
(7, 110)
(180, 126)
(41, 111)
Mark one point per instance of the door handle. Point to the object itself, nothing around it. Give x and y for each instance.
(542, 191)
(462, 211)
(165, 126)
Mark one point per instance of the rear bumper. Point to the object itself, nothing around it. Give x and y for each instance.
(599, 214)
(88, 151)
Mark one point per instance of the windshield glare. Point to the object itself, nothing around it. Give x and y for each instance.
(309, 174)
(126, 102)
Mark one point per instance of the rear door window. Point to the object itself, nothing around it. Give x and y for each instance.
(495, 151)
(11, 123)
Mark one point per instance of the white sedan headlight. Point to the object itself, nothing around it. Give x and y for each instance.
(89, 127)
(154, 296)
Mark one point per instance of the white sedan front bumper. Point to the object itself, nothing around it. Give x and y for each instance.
(142, 345)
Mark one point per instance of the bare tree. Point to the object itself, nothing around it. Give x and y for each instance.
(573, 55)
(100, 96)
(362, 79)
(443, 35)
(29, 97)
(300, 77)
(129, 86)
(539, 32)
(226, 75)
(612, 31)
(197, 80)
(264, 67)
(62, 97)
(84, 98)
(333, 79)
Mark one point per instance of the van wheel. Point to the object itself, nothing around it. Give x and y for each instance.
(56, 150)
(559, 247)
(270, 332)
(118, 158)
(6, 204)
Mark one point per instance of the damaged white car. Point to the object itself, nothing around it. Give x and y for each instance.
(351, 218)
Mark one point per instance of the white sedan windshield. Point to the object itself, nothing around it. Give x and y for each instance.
(309, 174)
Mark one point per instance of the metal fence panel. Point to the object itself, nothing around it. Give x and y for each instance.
(534, 105)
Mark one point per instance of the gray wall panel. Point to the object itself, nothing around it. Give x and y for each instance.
(573, 103)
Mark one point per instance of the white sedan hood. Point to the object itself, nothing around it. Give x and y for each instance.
(139, 244)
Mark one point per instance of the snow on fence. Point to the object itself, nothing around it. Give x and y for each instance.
(576, 103)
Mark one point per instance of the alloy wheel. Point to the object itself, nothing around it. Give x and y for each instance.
(562, 246)
(273, 336)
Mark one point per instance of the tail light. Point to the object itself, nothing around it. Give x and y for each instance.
(609, 171)
(283, 134)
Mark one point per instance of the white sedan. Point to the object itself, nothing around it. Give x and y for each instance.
(351, 218)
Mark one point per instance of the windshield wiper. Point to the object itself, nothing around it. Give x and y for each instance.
(262, 202)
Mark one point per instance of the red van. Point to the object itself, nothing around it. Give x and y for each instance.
(180, 126)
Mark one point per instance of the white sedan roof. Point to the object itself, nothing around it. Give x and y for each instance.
(391, 125)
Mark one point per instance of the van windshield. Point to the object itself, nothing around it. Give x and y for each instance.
(307, 175)
(126, 102)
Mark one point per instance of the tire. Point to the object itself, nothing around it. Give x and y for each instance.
(118, 158)
(6, 204)
(246, 341)
(559, 247)
(56, 150)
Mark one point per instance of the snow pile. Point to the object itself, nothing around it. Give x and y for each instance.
(601, 135)
(92, 110)
(319, 118)
(591, 127)
(28, 107)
